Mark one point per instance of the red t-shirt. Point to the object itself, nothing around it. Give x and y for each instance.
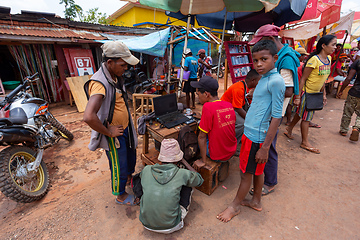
(235, 95)
(300, 69)
(338, 65)
(218, 122)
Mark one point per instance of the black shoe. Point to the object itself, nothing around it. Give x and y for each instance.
(354, 135)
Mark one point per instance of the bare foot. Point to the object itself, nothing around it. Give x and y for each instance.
(226, 215)
(193, 107)
(198, 164)
(122, 197)
(251, 204)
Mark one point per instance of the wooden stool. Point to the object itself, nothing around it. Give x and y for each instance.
(2, 89)
(212, 172)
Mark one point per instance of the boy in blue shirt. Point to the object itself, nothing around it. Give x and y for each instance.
(261, 123)
(191, 64)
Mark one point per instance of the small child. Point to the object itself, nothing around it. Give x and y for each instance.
(167, 190)
(261, 123)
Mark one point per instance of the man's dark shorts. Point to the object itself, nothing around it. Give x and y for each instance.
(187, 87)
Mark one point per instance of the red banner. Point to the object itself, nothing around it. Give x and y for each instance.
(332, 2)
(340, 34)
(330, 15)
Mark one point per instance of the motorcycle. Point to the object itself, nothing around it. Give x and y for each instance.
(136, 82)
(28, 131)
(214, 70)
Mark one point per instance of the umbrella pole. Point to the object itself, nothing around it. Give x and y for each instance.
(221, 46)
(185, 46)
(170, 59)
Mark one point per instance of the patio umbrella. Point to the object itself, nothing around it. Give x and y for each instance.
(188, 7)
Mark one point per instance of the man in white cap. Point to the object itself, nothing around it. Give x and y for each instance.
(107, 113)
(167, 190)
(191, 64)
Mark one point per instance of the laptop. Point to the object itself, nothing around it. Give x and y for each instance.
(166, 111)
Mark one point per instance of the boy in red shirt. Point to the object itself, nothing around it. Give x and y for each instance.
(217, 136)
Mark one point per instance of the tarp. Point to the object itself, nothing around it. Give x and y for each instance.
(311, 29)
(153, 44)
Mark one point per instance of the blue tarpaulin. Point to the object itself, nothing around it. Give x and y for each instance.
(152, 44)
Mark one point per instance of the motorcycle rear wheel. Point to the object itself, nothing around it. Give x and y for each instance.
(66, 134)
(15, 181)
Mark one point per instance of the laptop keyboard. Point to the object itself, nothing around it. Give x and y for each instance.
(173, 119)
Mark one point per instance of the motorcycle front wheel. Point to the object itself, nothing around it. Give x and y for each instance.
(66, 134)
(16, 182)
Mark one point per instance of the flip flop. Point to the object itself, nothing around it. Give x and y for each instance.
(129, 201)
(311, 149)
(314, 125)
(343, 133)
(291, 137)
(265, 191)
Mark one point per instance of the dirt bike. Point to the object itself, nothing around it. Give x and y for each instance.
(214, 70)
(28, 131)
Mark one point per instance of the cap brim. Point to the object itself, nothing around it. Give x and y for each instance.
(255, 40)
(131, 60)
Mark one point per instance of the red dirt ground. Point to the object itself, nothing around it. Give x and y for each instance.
(317, 196)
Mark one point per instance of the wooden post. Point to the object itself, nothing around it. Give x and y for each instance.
(170, 59)
(225, 75)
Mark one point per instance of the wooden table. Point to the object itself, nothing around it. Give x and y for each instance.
(149, 156)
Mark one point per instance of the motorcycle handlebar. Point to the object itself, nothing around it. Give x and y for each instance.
(17, 90)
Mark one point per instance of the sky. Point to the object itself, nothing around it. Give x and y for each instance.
(105, 6)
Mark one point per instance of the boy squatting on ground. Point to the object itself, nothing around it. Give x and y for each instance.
(167, 190)
(261, 123)
(236, 95)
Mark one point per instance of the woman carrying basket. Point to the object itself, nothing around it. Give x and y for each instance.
(312, 82)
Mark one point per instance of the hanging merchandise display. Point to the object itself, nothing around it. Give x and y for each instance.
(33, 58)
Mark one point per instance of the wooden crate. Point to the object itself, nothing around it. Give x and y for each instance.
(210, 174)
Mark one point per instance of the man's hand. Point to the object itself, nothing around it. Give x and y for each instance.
(115, 131)
(201, 61)
(324, 100)
(198, 164)
(262, 155)
(296, 101)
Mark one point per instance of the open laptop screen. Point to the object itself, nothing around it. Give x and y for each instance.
(165, 104)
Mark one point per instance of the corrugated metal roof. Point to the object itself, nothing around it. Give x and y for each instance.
(49, 32)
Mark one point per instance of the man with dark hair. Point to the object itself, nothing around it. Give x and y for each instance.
(191, 64)
(107, 113)
(217, 125)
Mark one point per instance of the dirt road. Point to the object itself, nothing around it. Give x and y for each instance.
(317, 196)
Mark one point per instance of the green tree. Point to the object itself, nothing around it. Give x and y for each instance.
(72, 10)
(93, 16)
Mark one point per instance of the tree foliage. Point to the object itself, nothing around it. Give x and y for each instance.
(93, 16)
(75, 12)
(72, 10)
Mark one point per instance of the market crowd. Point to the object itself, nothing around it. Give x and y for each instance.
(284, 83)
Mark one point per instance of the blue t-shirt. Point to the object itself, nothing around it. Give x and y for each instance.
(192, 64)
(267, 103)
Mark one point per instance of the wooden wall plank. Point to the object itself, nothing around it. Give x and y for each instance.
(76, 85)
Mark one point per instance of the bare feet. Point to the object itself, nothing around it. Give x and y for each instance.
(226, 215)
(193, 107)
(122, 197)
(198, 164)
(251, 204)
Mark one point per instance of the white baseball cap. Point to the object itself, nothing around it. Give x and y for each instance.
(117, 49)
(187, 51)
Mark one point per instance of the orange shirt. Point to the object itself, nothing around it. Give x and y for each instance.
(120, 116)
(235, 95)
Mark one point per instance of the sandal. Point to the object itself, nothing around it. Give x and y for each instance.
(314, 125)
(310, 149)
(343, 133)
(265, 191)
(129, 201)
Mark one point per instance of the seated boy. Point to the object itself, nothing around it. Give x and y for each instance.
(217, 136)
(261, 123)
(236, 96)
(167, 190)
